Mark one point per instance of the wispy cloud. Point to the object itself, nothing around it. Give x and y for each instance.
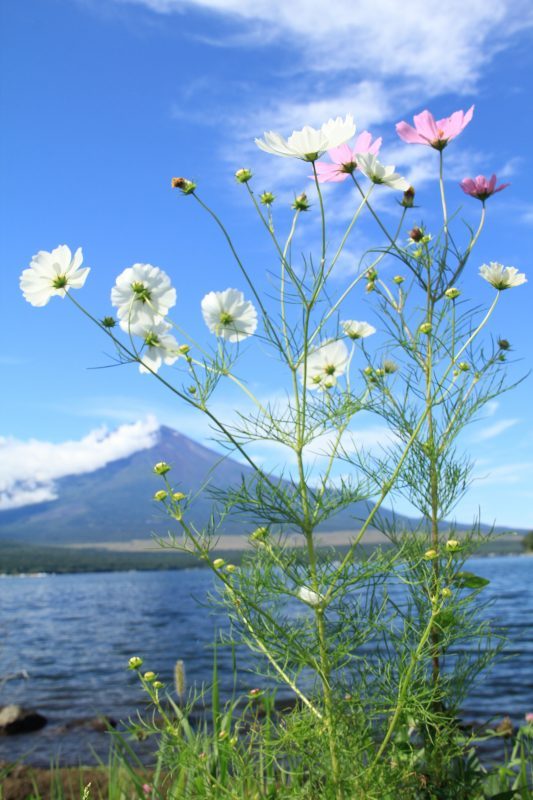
(29, 469)
(497, 428)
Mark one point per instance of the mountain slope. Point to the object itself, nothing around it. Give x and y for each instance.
(115, 503)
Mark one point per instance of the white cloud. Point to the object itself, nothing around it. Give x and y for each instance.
(28, 469)
(491, 431)
(506, 474)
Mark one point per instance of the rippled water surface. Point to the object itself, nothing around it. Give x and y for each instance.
(73, 634)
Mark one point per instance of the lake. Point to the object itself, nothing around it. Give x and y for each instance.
(73, 635)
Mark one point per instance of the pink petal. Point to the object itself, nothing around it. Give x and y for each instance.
(408, 133)
(468, 185)
(425, 125)
(501, 186)
(341, 154)
(492, 183)
(328, 173)
(376, 146)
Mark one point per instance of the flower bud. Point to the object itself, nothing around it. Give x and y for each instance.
(447, 592)
(109, 322)
(301, 203)
(255, 693)
(184, 349)
(184, 185)
(177, 496)
(231, 568)
(259, 534)
(408, 199)
(452, 545)
(135, 662)
(368, 371)
(329, 383)
(160, 495)
(416, 234)
(371, 274)
(157, 685)
(380, 373)
(243, 175)
(452, 293)
(191, 389)
(429, 555)
(426, 327)
(370, 286)
(233, 741)
(218, 563)
(463, 366)
(503, 344)
(389, 366)
(161, 468)
(149, 677)
(223, 735)
(399, 279)
(267, 198)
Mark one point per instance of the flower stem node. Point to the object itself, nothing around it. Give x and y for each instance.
(135, 662)
(161, 468)
(447, 592)
(184, 185)
(109, 322)
(301, 203)
(408, 199)
(452, 293)
(218, 563)
(149, 677)
(160, 495)
(266, 198)
(243, 175)
(431, 554)
(426, 327)
(453, 545)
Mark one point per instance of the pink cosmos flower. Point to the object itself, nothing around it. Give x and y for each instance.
(344, 158)
(436, 133)
(529, 718)
(480, 187)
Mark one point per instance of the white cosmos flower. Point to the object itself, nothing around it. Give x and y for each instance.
(325, 364)
(142, 294)
(379, 173)
(52, 274)
(159, 347)
(228, 315)
(357, 330)
(309, 143)
(309, 596)
(502, 277)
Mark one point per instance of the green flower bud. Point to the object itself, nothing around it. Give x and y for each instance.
(109, 322)
(463, 366)
(452, 293)
(243, 175)
(192, 389)
(426, 327)
(429, 555)
(452, 545)
(218, 563)
(135, 662)
(177, 496)
(267, 198)
(149, 677)
(184, 185)
(160, 495)
(161, 468)
(157, 685)
(446, 592)
(368, 371)
(259, 534)
(231, 568)
(370, 286)
(184, 349)
(503, 344)
(301, 203)
(399, 279)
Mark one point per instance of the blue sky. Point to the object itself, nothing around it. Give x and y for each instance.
(105, 100)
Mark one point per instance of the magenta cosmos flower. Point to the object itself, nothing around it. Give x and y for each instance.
(344, 158)
(435, 133)
(481, 187)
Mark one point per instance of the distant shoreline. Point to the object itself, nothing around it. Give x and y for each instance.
(143, 555)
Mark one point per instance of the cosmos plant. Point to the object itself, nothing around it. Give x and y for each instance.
(420, 367)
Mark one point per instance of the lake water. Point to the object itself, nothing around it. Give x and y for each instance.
(73, 635)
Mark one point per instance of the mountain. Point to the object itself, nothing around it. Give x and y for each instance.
(115, 503)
